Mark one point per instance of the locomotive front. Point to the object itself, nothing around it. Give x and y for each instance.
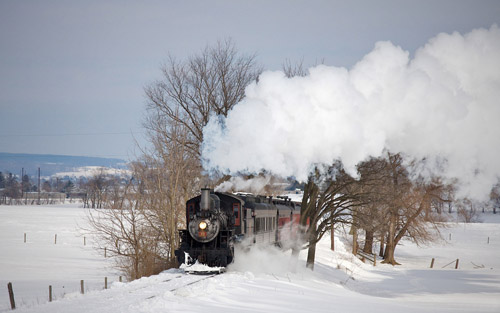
(208, 238)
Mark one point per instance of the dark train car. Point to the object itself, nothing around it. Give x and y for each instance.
(216, 221)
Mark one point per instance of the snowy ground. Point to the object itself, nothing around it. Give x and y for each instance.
(263, 280)
(38, 263)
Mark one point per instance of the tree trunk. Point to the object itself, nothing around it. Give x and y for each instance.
(391, 244)
(368, 247)
(389, 253)
(332, 237)
(311, 252)
(354, 240)
(382, 244)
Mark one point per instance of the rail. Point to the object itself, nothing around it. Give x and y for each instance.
(367, 256)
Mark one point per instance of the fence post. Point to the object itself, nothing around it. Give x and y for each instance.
(25, 237)
(84, 241)
(81, 287)
(120, 279)
(105, 283)
(55, 239)
(50, 293)
(432, 263)
(104, 252)
(456, 264)
(488, 240)
(11, 296)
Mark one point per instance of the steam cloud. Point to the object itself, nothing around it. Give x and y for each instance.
(443, 104)
(255, 185)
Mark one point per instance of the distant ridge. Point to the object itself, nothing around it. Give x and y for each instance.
(52, 164)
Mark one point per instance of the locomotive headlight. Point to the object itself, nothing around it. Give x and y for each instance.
(203, 225)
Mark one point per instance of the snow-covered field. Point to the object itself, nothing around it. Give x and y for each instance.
(262, 280)
(38, 263)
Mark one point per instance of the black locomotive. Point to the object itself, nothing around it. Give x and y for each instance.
(216, 221)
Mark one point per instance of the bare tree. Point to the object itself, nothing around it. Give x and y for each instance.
(407, 208)
(95, 190)
(495, 198)
(467, 210)
(168, 178)
(369, 216)
(298, 68)
(211, 82)
(329, 199)
(293, 69)
(123, 231)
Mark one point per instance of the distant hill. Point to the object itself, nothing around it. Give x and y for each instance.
(52, 164)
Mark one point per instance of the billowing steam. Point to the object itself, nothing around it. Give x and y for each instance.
(254, 185)
(443, 104)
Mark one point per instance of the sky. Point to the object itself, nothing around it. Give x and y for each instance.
(72, 73)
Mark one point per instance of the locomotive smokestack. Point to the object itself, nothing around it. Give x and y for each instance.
(205, 199)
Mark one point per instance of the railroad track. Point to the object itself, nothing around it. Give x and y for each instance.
(186, 284)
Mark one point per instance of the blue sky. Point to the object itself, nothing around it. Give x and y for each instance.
(72, 73)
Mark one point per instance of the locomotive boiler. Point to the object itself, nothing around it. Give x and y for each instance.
(216, 221)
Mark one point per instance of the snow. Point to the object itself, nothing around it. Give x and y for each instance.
(38, 263)
(262, 279)
(89, 171)
(200, 268)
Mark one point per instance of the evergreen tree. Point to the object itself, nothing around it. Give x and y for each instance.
(26, 183)
(2, 181)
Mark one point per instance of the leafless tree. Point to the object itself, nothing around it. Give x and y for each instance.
(211, 82)
(495, 198)
(467, 210)
(408, 207)
(370, 216)
(123, 231)
(168, 177)
(293, 69)
(95, 190)
(329, 199)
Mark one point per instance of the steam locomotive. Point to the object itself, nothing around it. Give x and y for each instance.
(216, 221)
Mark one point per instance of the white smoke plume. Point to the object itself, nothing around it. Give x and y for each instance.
(254, 185)
(442, 104)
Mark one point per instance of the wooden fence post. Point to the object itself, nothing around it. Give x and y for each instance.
(432, 263)
(104, 252)
(25, 237)
(81, 287)
(456, 264)
(11, 296)
(55, 239)
(50, 293)
(105, 283)
(488, 240)
(120, 279)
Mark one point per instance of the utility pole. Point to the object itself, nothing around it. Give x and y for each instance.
(22, 184)
(38, 186)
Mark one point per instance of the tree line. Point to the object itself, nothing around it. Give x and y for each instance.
(91, 191)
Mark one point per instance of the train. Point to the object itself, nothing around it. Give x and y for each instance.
(216, 221)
